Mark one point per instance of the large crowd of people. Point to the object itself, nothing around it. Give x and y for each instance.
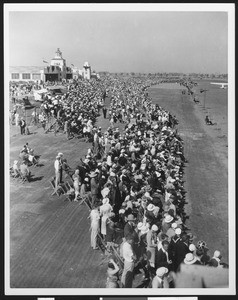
(131, 179)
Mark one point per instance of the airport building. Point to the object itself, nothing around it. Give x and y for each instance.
(26, 73)
(57, 70)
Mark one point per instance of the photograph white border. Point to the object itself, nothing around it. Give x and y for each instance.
(187, 7)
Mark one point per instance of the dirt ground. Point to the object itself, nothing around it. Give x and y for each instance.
(50, 238)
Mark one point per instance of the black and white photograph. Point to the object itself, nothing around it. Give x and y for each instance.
(119, 149)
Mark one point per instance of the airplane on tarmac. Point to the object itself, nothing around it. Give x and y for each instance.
(223, 84)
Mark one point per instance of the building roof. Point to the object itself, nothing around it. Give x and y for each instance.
(25, 69)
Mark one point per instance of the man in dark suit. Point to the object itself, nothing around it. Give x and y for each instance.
(129, 230)
(162, 258)
(172, 245)
(181, 249)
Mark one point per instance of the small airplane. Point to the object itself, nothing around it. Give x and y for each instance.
(223, 84)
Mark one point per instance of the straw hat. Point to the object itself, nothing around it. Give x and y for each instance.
(178, 231)
(93, 174)
(192, 247)
(150, 207)
(160, 272)
(139, 225)
(217, 254)
(154, 228)
(174, 225)
(189, 259)
(168, 218)
(130, 217)
(144, 229)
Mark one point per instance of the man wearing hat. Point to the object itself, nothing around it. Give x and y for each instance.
(160, 280)
(166, 223)
(149, 214)
(181, 249)
(215, 261)
(174, 240)
(129, 230)
(191, 259)
(169, 205)
(162, 257)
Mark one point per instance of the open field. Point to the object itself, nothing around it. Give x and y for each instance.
(50, 238)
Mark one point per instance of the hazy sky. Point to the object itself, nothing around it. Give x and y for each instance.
(122, 41)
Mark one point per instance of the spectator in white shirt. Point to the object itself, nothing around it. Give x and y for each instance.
(129, 263)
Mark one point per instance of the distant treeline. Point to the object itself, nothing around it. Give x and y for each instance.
(167, 75)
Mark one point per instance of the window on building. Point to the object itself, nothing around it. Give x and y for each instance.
(15, 76)
(36, 76)
(26, 76)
